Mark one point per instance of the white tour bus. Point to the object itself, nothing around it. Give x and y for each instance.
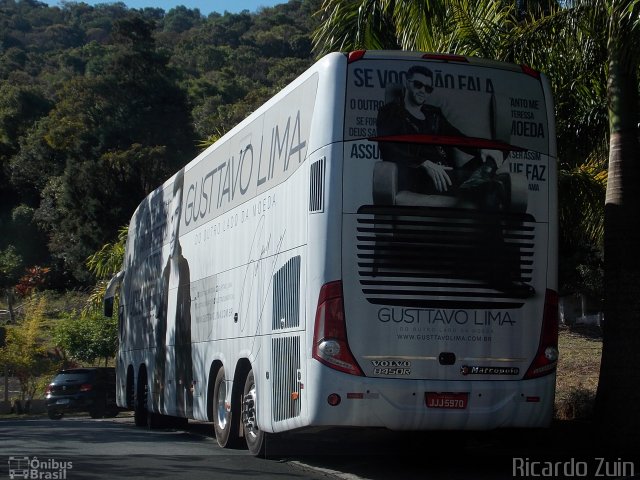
(375, 246)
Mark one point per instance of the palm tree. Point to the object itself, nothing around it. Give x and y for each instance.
(469, 27)
(589, 49)
(618, 393)
(606, 34)
(104, 264)
(572, 51)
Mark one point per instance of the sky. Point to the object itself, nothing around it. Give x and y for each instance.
(205, 6)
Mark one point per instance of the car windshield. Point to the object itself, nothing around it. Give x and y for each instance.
(72, 377)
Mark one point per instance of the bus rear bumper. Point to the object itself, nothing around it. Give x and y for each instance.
(455, 405)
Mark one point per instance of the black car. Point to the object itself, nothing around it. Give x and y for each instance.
(90, 390)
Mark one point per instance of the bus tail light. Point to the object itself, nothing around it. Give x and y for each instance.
(445, 57)
(355, 55)
(546, 357)
(330, 345)
(530, 71)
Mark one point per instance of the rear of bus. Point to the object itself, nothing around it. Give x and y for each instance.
(445, 316)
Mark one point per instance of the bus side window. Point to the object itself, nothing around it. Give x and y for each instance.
(108, 307)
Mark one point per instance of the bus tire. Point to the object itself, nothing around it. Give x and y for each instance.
(225, 422)
(254, 437)
(140, 411)
(155, 420)
(131, 391)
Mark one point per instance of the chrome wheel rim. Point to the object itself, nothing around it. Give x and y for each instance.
(249, 412)
(221, 406)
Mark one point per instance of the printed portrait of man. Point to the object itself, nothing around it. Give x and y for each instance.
(429, 168)
(421, 168)
(429, 162)
(174, 319)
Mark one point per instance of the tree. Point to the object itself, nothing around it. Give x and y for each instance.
(618, 395)
(105, 145)
(576, 66)
(180, 19)
(604, 34)
(104, 264)
(87, 338)
(11, 264)
(24, 353)
(100, 104)
(20, 107)
(469, 27)
(32, 280)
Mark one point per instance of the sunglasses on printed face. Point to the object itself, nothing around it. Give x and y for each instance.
(421, 86)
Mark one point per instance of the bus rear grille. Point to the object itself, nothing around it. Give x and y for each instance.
(286, 295)
(445, 258)
(316, 186)
(285, 393)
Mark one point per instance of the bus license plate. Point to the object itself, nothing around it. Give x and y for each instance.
(446, 400)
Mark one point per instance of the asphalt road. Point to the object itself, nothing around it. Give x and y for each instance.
(81, 448)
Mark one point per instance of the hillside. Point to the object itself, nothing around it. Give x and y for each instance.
(99, 105)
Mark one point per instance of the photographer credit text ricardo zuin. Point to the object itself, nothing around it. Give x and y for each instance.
(598, 467)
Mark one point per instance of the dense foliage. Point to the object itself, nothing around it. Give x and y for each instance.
(86, 338)
(99, 105)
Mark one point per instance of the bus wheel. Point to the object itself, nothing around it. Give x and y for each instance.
(131, 396)
(140, 412)
(252, 434)
(225, 423)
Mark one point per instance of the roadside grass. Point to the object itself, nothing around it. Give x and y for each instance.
(578, 371)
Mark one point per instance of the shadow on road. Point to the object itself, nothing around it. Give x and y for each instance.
(380, 454)
(375, 454)
(502, 454)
